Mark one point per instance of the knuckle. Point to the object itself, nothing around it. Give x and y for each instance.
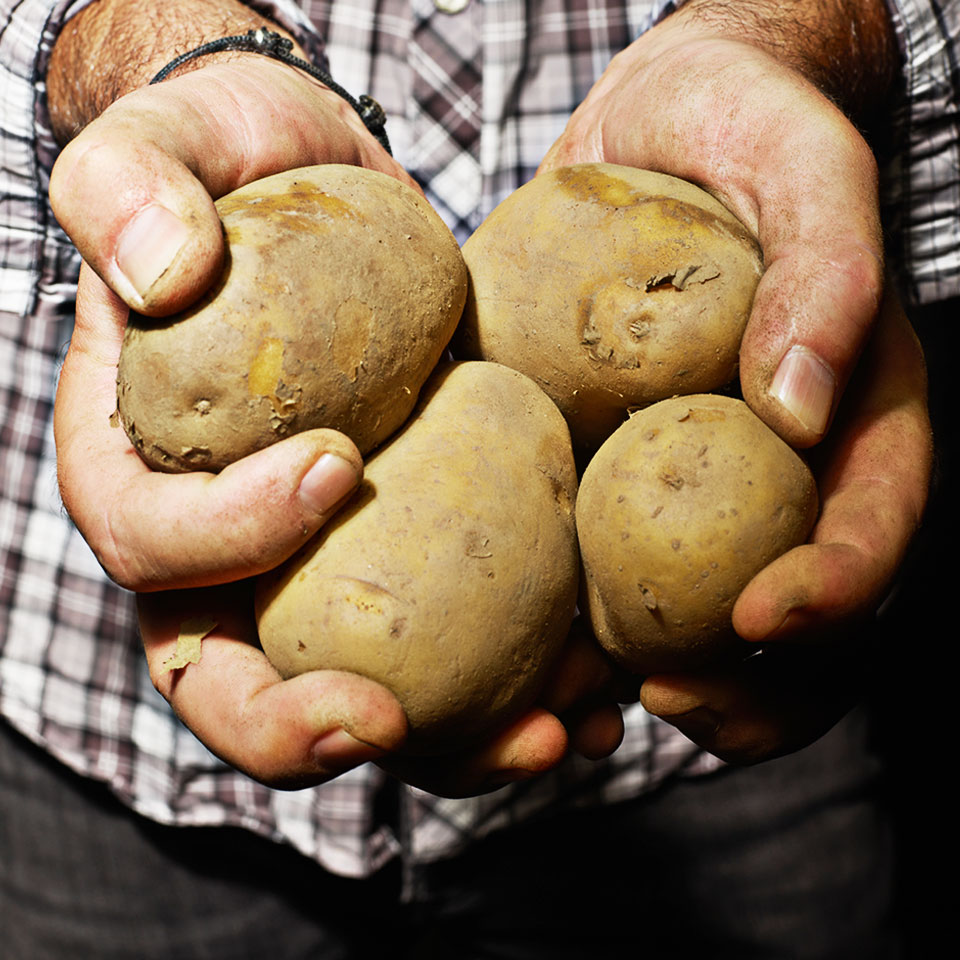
(121, 563)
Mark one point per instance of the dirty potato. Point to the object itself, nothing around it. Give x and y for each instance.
(612, 288)
(676, 513)
(340, 291)
(451, 577)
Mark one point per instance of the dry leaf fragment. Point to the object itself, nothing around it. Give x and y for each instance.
(192, 631)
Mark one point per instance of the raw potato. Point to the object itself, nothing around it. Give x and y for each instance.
(612, 288)
(676, 513)
(341, 290)
(451, 578)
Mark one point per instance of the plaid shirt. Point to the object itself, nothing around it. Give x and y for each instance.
(474, 100)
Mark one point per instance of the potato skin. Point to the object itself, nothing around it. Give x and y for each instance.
(676, 513)
(452, 576)
(341, 290)
(612, 288)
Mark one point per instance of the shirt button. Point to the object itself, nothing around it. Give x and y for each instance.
(451, 6)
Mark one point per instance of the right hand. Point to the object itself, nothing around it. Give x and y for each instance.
(134, 192)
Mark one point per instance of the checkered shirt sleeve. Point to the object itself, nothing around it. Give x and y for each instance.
(921, 185)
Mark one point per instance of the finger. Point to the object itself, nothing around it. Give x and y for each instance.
(217, 527)
(581, 671)
(596, 731)
(873, 492)
(818, 298)
(582, 691)
(531, 745)
(768, 706)
(286, 734)
(134, 189)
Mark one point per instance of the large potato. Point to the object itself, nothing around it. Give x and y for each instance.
(612, 288)
(341, 289)
(451, 578)
(676, 513)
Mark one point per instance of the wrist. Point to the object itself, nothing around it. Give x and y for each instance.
(846, 48)
(113, 47)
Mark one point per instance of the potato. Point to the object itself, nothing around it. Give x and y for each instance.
(452, 576)
(676, 513)
(340, 291)
(612, 288)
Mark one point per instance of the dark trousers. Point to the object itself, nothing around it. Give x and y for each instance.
(790, 859)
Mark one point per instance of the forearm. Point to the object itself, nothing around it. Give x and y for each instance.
(115, 46)
(847, 48)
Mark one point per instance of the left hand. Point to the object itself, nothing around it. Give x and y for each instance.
(726, 115)
(813, 607)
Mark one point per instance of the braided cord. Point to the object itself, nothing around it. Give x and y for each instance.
(271, 44)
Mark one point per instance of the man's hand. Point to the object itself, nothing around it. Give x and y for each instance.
(134, 190)
(696, 100)
(742, 100)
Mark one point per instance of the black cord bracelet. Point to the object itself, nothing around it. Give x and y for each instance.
(271, 44)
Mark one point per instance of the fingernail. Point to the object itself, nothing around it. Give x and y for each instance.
(327, 482)
(699, 724)
(148, 246)
(338, 749)
(805, 385)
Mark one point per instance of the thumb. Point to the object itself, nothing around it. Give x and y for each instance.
(820, 293)
(138, 216)
(133, 190)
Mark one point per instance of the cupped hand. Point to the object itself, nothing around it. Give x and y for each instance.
(135, 193)
(812, 610)
(688, 101)
(725, 115)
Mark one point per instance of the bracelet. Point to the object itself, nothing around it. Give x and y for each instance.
(271, 44)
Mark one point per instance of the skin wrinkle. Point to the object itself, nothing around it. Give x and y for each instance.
(249, 138)
(862, 535)
(255, 155)
(110, 553)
